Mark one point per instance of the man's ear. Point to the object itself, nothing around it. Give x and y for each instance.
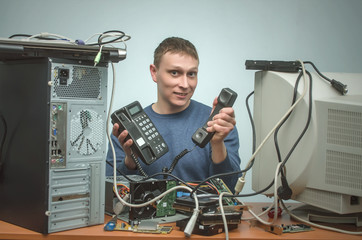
(153, 71)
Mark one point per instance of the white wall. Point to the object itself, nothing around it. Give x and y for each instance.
(226, 33)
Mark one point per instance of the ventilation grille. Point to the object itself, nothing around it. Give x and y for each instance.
(323, 199)
(83, 82)
(344, 128)
(344, 169)
(86, 132)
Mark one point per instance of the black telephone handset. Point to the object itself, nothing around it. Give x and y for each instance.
(226, 98)
(148, 143)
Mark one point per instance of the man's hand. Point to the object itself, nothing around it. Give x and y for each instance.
(126, 145)
(222, 124)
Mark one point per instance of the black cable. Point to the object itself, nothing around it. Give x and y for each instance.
(2, 140)
(284, 120)
(28, 35)
(177, 158)
(284, 191)
(316, 69)
(221, 175)
(339, 86)
(172, 176)
(121, 173)
(99, 42)
(20, 35)
(139, 167)
(251, 119)
(307, 123)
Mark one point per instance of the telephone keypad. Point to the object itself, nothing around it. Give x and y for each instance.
(147, 126)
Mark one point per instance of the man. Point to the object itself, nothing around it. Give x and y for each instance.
(177, 117)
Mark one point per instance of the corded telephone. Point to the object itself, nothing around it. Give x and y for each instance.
(226, 98)
(148, 142)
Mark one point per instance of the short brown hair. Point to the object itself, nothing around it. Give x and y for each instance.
(174, 45)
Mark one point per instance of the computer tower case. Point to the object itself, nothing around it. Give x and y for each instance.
(53, 134)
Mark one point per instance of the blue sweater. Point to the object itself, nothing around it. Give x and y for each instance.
(177, 130)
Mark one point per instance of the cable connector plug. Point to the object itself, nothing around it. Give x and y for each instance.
(98, 57)
(284, 191)
(119, 207)
(191, 224)
(79, 42)
(239, 185)
(340, 87)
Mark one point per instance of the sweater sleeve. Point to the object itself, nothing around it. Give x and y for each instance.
(231, 162)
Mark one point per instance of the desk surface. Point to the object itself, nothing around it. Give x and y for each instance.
(244, 231)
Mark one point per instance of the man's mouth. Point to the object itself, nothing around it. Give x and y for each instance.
(181, 94)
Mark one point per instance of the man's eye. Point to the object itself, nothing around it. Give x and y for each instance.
(173, 73)
(192, 74)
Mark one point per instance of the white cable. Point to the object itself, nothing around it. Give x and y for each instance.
(190, 225)
(280, 121)
(318, 225)
(275, 203)
(45, 35)
(255, 216)
(223, 214)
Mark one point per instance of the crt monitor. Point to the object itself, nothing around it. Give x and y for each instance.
(325, 169)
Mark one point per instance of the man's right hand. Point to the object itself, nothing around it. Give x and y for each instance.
(126, 145)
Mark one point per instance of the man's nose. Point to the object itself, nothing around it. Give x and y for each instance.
(184, 81)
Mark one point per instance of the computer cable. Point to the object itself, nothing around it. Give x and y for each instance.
(255, 216)
(226, 229)
(20, 35)
(284, 191)
(274, 204)
(52, 37)
(2, 143)
(176, 178)
(251, 119)
(115, 35)
(339, 86)
(119, 172)
(282, 123)
(29, 35)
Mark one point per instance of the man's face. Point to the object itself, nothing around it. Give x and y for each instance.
(176, 79)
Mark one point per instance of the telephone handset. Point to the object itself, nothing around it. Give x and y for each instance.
(226, 98)
(148, 143)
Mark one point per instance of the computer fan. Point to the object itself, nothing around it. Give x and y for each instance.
(142, 192)
(86, 131)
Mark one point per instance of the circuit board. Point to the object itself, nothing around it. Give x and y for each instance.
(165, 205)
(144, 227)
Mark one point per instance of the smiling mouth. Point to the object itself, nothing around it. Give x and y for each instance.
(181, 94)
